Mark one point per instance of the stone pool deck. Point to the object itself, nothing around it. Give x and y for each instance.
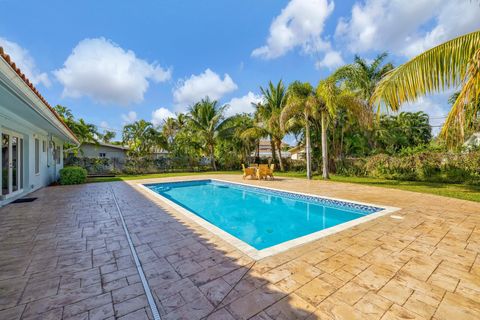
(66, 256)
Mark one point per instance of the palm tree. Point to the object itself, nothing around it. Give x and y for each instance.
(362, 77)
(330, 97)
(234, 144)
(108, 135)
(301, 105)
(85, 132)
(269, 114)
(142, 138)
(207, 120)
(170, 128)
(451, 64)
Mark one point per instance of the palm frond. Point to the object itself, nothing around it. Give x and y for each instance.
(468, 98)
(441, 67)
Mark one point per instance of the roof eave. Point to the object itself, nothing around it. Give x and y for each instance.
(23, 83)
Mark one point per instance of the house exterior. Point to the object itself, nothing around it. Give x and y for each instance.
(32, 135)
(265, 150)
(103, 150)
(297, 153)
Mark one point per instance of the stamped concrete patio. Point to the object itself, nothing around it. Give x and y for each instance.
(66, 256)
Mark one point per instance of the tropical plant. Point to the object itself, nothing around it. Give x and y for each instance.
(142, 138)
(301, 106)
(362, 77)
(268, 114)
(108, 136)
(207, 119)
(233, 147)
(405, 130)
(455, 63)
(331, 97)
(85, 132)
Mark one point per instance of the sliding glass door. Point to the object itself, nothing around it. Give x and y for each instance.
(12, 164)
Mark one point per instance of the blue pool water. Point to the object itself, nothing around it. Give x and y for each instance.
(260, 217)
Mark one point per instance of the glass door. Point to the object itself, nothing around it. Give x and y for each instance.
(12, 164)
(5, 163)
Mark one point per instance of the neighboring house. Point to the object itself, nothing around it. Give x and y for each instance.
(265, 150)
(32, 135)
(112, 151)
(103, 150)
(297, 153)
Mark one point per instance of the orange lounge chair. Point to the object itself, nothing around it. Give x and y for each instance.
(264, 171)
(248, 172)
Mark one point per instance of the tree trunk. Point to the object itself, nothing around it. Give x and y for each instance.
(324, 147)
(212, 158)
(274, 155)
(308, 148)
(280, 160)
(341, 143)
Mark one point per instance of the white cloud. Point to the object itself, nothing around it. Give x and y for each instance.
(104, 125)
(300, 23)
(208, 83)
(242, 104)
(406, 27)
(331, 60)
(161, 114)
(129, 117)
(455, 18)
(25, 62)
(102, 70)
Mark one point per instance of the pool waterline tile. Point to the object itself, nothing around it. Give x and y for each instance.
(366, 211)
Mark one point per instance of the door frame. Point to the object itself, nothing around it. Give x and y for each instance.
(20, 162)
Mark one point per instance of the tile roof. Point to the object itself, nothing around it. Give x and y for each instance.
(12, 64)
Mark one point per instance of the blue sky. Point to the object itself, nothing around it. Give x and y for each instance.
(112, 62)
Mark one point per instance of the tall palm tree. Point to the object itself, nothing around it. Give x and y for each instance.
(207, 119)
(455, 63)
(301, 105)
(170, 128)
(362, 77)
(275, 97)
(330, 97)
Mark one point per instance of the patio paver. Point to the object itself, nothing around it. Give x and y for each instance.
(65, 256)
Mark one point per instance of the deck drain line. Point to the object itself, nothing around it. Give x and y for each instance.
(146, 288)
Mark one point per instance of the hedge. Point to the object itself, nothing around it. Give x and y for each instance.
(424, 166)
(73, 175)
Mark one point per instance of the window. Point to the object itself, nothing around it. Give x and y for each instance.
(102, 155)
(37, 156)
(44, 146)
(58, 155)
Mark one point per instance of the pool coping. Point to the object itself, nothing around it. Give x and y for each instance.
(264, 253)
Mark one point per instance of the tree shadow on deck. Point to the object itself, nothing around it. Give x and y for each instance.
(196, 275)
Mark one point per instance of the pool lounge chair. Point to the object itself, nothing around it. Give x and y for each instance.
(265, 171)
(248, 172)
(270, 170)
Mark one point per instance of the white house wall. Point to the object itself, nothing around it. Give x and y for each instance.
(49, 172)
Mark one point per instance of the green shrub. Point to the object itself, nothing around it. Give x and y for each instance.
(422, 166)
(73, 175)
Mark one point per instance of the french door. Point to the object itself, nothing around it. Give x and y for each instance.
(12, 164)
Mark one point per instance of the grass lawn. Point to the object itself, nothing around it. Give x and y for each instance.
(460, 191)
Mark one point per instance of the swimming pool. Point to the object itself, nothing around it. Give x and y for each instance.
(262, 221)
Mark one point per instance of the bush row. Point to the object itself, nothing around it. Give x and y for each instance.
(424, 166)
